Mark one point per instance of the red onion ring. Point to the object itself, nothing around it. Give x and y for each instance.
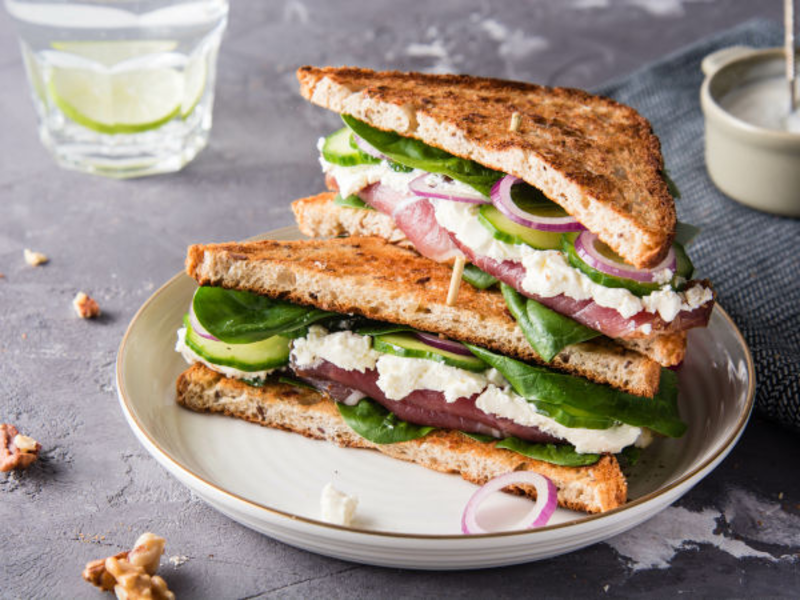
(539, 516)
(421, 188)
(585, 247)
(501, 198)
(442, 344)
(368, 148)
(198, 328)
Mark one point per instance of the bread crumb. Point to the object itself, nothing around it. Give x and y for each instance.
(516, 121)
(85, 306)
(35, 259)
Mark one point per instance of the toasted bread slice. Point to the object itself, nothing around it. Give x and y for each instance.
(596, 488)
(318, 216)
(595, 157)
(369, 276)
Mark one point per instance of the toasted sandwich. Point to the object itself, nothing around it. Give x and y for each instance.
(559, 196)
(349, 340)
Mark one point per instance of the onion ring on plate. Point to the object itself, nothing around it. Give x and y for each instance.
(539, 515)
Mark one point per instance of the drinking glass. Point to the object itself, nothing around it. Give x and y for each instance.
(122, 88)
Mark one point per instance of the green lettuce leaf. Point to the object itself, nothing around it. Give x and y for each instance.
(238, 317)
(379, 328)
(374, 423)
(547, 331)
(539, 384)
(418, 155)
(476, 277)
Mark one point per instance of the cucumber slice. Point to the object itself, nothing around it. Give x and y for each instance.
(337, 150)
(684, 269)
(480, 279)
(504, 229)
(638, 288)
(270, 353)
(351, 201)
(409, 346)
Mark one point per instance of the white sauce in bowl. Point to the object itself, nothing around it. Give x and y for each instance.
(763, 103)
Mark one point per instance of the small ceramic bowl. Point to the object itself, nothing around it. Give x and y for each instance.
(758, 167)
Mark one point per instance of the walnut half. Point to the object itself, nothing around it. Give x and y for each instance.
(16, 451)
(131, 574)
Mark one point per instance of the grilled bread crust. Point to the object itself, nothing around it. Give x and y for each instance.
(368, 276)
(595, 157)
(317, 216)
(596, 488)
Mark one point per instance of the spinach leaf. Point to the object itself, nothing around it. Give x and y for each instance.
(558, 454)
(374, 423)
(480, 437)
(629, 456)
(238, 317)
(539, 384)
(351, 201)
(378, 328)
(416, 154)
(546, 330)
(479, 279)
(671, 186)
(569, 416)
(296, 383)
(685, 233)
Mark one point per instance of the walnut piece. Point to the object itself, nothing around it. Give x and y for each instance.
(85, 306)
(16, 451)
(35, 259)
(131, 574)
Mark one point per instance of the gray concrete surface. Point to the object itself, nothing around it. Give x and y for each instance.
(95, 489)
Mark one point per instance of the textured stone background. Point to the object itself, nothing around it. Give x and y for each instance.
(737, 533)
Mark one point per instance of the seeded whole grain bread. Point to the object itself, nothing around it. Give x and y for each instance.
(595, 157)
(596, 488)
(318, 216)
(368, 276)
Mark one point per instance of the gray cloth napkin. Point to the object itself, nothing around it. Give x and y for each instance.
(752, 258)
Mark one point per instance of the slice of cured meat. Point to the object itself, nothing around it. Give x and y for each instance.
(416, 218)
(421, 407)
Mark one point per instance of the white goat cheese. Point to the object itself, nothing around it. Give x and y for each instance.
(337, 507)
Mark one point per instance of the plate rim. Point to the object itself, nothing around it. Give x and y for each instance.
(139, 430)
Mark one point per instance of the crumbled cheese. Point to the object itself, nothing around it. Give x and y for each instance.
(645, 439)
(399, 376)
(344, 349)
(337, 507)
(664, 276)
(190, 356)
(505, 403)
(548, 273)
(351, 180)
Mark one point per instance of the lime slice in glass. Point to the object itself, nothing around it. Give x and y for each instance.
(194, 84)
(104, 95)
(111, 53)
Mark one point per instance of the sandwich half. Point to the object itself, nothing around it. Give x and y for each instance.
(348, 340)
(557, 196)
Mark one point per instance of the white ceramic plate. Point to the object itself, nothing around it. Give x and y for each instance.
(407, 516)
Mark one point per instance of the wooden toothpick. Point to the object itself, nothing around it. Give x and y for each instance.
(788, 38)
(455, 280)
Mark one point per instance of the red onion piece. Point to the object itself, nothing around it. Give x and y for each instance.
(421, 187)
(368, 148)
(501, 198)
(585, 247)
(539, 516)
(198, 328)
(443, 344)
